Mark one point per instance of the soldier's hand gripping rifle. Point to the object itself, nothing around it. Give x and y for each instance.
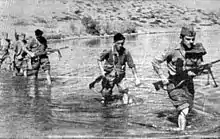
(160, 85)
(206, 69)
(199, 70)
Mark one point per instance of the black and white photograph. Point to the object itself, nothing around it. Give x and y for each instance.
(110, 69)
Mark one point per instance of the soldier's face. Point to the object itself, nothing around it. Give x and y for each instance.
(22, 37)
(188, 41)
(119, 44)
(5, 35)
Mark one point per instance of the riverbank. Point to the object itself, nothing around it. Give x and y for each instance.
(67, 19)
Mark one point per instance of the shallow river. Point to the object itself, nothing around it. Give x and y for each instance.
(68, 108)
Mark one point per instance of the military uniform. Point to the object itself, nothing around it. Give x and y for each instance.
(178, 63)
(19, 58)
(5, 58)
(38, 46)
(114, 67)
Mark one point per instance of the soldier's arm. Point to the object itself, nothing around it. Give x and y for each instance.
(158, 60)
(130, 63)
(101, 58)
(5, 45)
(24, 48)
(43, 46)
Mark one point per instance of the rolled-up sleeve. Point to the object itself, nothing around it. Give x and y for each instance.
(130, 60)
(159, 59)
(104, 54)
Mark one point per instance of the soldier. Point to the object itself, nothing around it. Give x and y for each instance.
(38, 46)
(4, 51)
(114, 69)
(179, 60)
(20, 54)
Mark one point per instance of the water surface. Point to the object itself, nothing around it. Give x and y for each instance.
(68, 108)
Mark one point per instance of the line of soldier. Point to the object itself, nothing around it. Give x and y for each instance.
(25, 53)
(180, 59)
(179, 84)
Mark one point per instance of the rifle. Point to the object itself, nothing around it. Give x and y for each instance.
(160, 85)
(201, 70)
(198, 70)
(49, 51)
(97, 80)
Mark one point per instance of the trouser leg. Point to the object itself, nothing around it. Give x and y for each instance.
(48, 76)
(107, 88)
(123, 90)
(182, 118)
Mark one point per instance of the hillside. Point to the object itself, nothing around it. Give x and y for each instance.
(67, 18)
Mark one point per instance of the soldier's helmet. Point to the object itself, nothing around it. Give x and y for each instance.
(118, 37)
(187, 30)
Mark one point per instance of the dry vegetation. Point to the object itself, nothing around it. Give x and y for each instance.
(63, 18)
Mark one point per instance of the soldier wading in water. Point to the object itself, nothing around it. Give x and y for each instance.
(113, 71)
(4, 51)
(179, 61)
(38, 46)
(20, 53)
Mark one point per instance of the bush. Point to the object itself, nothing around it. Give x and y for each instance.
(92, 26)
(108, 26)
(21, 22)
(76, 27)
(111, 27)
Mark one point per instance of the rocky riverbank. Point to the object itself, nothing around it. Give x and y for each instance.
(73, 19)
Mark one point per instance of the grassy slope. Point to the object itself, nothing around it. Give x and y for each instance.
(64, 16)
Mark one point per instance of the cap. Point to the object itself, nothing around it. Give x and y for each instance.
(118, 37)
(188, 30)
(38, 32)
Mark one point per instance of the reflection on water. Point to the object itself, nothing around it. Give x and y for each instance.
(40, 106)
(93, 42)
(30, 108)
(24, 107)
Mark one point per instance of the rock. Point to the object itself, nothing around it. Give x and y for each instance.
(143, 20)
(216, 21)
(146, 15)
(134, 17)
(186, 18)
(120, 18)
(164, 16)
(180, 11)
(77, 11)
(138, 10)
(157, 21)
(170, 21)
(206, 23)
